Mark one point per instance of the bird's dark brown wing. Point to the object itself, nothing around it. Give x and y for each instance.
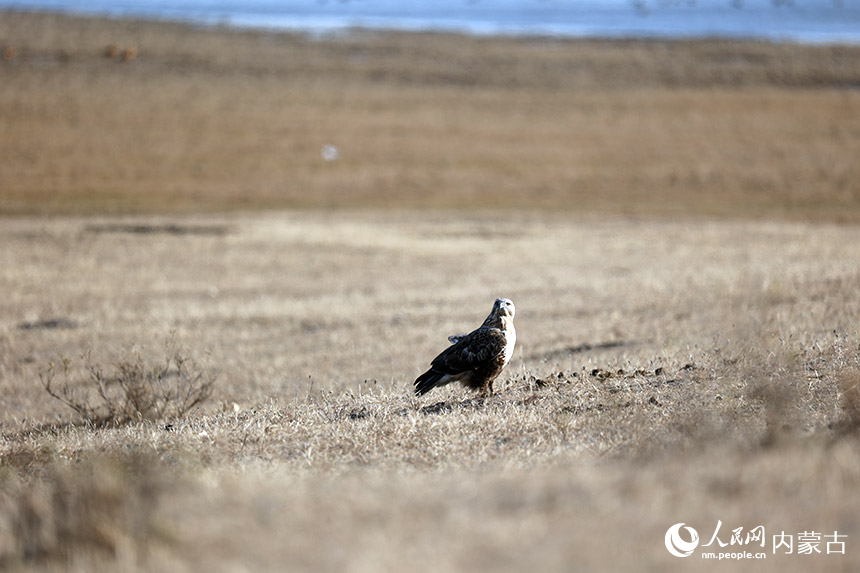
(471, 351)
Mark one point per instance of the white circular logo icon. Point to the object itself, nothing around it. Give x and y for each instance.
(677, 546)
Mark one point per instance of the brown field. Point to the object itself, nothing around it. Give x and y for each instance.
(685, 276)
(208, 119)
(666, 372)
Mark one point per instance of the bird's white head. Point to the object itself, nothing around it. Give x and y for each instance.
(504, 307)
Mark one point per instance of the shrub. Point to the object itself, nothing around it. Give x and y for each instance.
(131, 390)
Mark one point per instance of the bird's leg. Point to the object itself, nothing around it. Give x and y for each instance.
(486, 390)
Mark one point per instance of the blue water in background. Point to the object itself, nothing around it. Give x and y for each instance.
(811, 21)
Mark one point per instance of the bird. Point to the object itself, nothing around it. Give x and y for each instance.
(475, 359)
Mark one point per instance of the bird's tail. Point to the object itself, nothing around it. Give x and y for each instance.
(427, 381)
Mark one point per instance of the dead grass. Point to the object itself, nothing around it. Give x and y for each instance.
(667, 371)
(573, 466)
(208, 119)
(849, 388)
(101, 510)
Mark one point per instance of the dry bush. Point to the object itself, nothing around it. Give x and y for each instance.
(134, 390)
(129, 54)
(100, 509)
(111, 51)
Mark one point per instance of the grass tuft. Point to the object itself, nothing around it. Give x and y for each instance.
(849, 396)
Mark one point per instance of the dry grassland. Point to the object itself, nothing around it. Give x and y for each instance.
(666, 372)
(204, 119)
(685, 278)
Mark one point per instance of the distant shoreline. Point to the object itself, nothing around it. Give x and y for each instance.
(778, 25)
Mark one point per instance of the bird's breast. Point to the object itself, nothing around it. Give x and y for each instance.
(510, 342)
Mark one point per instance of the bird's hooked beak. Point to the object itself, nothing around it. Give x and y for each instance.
(505, 307)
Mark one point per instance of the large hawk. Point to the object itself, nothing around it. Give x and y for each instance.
(477, 358)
